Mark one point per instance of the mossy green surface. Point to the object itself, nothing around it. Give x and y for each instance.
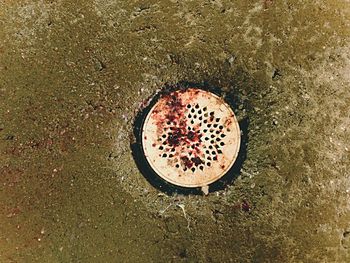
(73, 75)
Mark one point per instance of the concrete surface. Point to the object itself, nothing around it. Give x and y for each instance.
(73, 75)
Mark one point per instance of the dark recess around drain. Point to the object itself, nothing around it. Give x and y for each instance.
(155, 180)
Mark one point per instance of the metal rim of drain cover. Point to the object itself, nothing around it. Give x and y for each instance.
(191, 137)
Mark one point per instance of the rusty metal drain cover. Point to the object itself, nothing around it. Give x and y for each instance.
(191, 137)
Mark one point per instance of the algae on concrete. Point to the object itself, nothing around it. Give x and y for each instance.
(73, 75)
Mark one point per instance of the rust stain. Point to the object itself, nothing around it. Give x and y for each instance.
(267, 3)
(246, 207)
(228, 122)
(171, 112)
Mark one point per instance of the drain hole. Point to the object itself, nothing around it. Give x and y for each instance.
(187, 151)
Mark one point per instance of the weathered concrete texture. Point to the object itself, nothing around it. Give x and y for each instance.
(73, 74)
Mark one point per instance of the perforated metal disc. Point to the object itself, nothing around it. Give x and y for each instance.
(191, 137)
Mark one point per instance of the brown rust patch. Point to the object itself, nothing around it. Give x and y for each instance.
(170, 113)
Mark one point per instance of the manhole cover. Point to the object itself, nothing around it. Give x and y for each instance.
(191, 137)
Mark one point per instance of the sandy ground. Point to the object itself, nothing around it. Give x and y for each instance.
(74, 74)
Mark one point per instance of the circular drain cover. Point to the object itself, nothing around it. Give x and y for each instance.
(191, 137)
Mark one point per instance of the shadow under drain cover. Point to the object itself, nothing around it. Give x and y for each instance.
(191, 137)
